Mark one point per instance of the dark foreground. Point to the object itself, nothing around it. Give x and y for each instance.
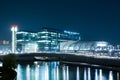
(7, 74)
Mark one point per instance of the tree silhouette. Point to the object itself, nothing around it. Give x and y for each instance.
(9, 65)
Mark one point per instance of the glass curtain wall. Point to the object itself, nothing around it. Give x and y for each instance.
(48, 41)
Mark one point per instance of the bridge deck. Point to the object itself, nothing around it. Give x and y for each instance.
(89, 59)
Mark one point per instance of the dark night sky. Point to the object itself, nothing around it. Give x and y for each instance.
(93, 19)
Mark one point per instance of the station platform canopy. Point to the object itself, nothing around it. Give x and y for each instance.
(83, 45)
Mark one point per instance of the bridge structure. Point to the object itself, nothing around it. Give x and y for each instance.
(72, 59)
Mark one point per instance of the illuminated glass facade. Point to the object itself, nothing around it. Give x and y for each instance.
(76, 46)
(47, 39)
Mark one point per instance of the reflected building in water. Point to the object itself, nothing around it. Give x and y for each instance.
(54, 71)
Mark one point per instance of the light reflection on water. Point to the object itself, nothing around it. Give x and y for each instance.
(85, 74)
(96, 74)
(110, 75)
(101, 76)
(78, 74)
(55, 71)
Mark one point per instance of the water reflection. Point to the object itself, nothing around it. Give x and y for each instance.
(78, 74)
(100, 74)
(54, 71)
(96, 74)
(85, 74)
(118, 76)
(110, 75)
(89, 74)
(28, 72)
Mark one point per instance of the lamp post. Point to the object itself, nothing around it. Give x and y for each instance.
(14, 30)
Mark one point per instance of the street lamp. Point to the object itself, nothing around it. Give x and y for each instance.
(14, 30)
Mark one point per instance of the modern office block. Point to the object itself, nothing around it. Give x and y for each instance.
(46, 40)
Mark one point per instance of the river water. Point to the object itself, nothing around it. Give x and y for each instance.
(56, 71)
